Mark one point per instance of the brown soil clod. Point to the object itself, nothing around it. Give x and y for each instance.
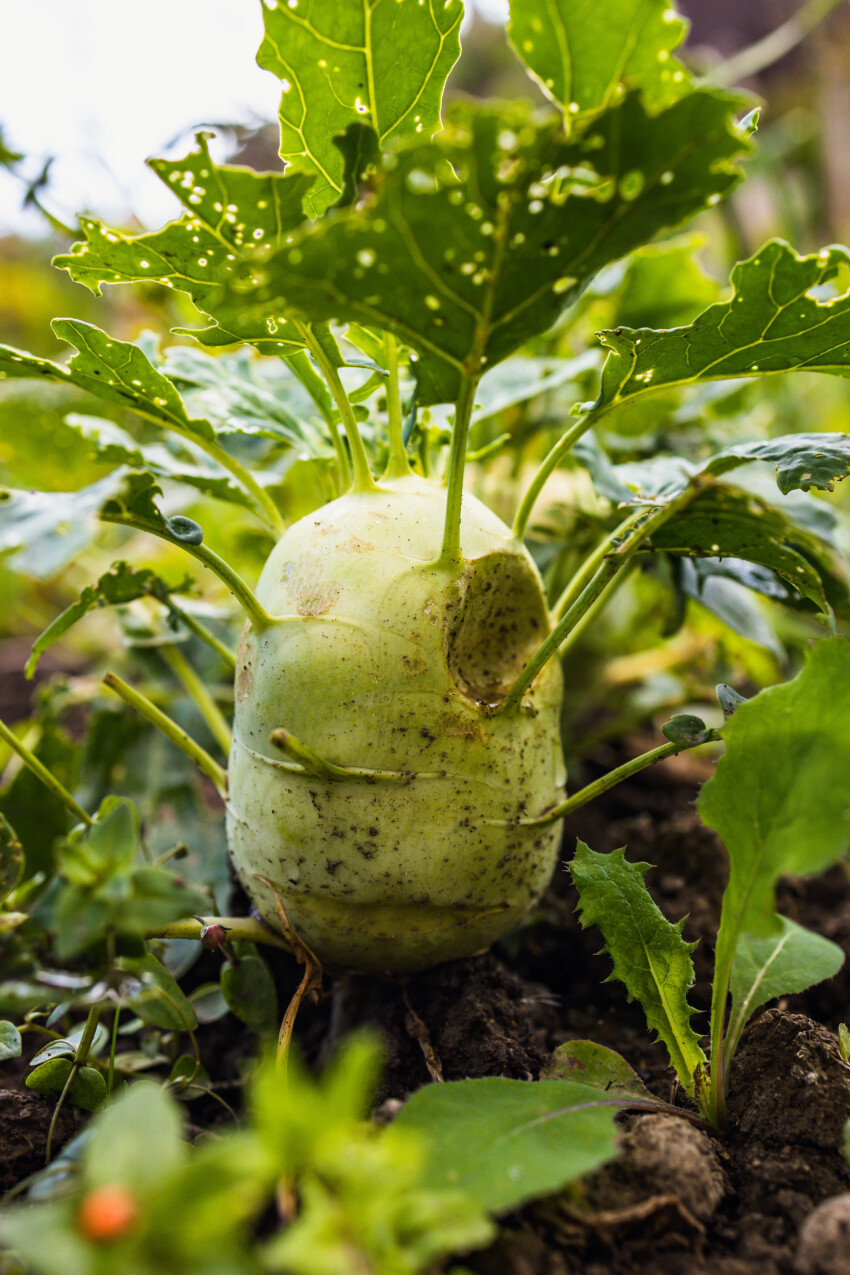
(24, 1123)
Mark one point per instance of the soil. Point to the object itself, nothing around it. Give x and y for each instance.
(770, 1197)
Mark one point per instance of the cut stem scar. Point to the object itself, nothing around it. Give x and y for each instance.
(198, 693)
(46, 776)
(312, 763)
(617, 559)
(241, 929)
(450, 557)
(398, 465)
(614, 777)
(310, 985)
(363, 480)
(169, 728)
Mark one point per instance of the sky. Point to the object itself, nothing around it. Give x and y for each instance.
(101, 93)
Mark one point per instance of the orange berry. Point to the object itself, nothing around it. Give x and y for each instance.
(107, 1213)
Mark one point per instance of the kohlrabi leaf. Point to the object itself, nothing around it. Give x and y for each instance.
(593, 1064)
(727, 522)
(118, 586)
(506, 1141)
(801, 461)
(780, 964)
(785, 315)
(586, 55)
(377, 62)
(664, 286)
(232, 213)
(780, 797)
(650, 956)
(478, 240)
(45, 530)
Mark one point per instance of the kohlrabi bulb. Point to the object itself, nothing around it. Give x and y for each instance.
(378, 661)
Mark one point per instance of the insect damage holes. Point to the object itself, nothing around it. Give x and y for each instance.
(494, 624)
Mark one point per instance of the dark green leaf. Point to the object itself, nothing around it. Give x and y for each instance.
(11, 859)
(231, 211)
(596, 1065)
(10, 1041)
(475, 242)
(586, 55)
(506, 1141)
(248, 990)
(87, 1089)
(650, 956)
(340, 64)
(780, 797)
(778, 320)
(801, 460)
(159, 1002)
(781, 964)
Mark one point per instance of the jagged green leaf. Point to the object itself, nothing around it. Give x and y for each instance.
(506, 1141)
(232, 212)
(801, 461)
(474, 242)
(119, 585)
(378, 62)
(784, 315)
(780, 964)
(650, 956)
(780, 797)
(585, 55)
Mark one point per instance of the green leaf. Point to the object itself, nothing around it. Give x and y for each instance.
(109, 847)
(42, 531)
(249, 992)
(802, 461)
(136, 1142)
(585, 55)
(663, 286)
(596, 1065)
(11, 859)
(650, 956)
(778, 965)
(522, 378)
(209, 1003)
(477, 241)
(118, 586)
(506, 1141)
(10, 1041)
(780, 797)
(340, 63)
(232, 211)
(87, 1089)
(159, 1002)
(782, 317)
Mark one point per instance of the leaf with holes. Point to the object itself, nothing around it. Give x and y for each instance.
(232, 211)
(650, 956)
(478, 240)
(585, 55)
(785, 315)
(342, 63)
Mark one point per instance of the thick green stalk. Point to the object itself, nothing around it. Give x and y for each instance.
(198, 693)
(614, 777)
(363, 480)
(149, 711)
(398, 466)
(266, 507)
(41, 772)
(550, 463)
(450, 557)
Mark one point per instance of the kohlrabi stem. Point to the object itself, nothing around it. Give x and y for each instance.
(398, 466)
(617, 559)
(363, 480)
(201, 631)
(550, 463)
(149, 711)
(265, 505)
(763, 53)
(252, 607)
(241, 929)
(198, 693)
(300, 364)
(614, 777)
(46, 776)
(450, 556)
(594, 609)
(589, 566)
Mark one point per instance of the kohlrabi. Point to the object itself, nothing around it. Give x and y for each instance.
(395, 781)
